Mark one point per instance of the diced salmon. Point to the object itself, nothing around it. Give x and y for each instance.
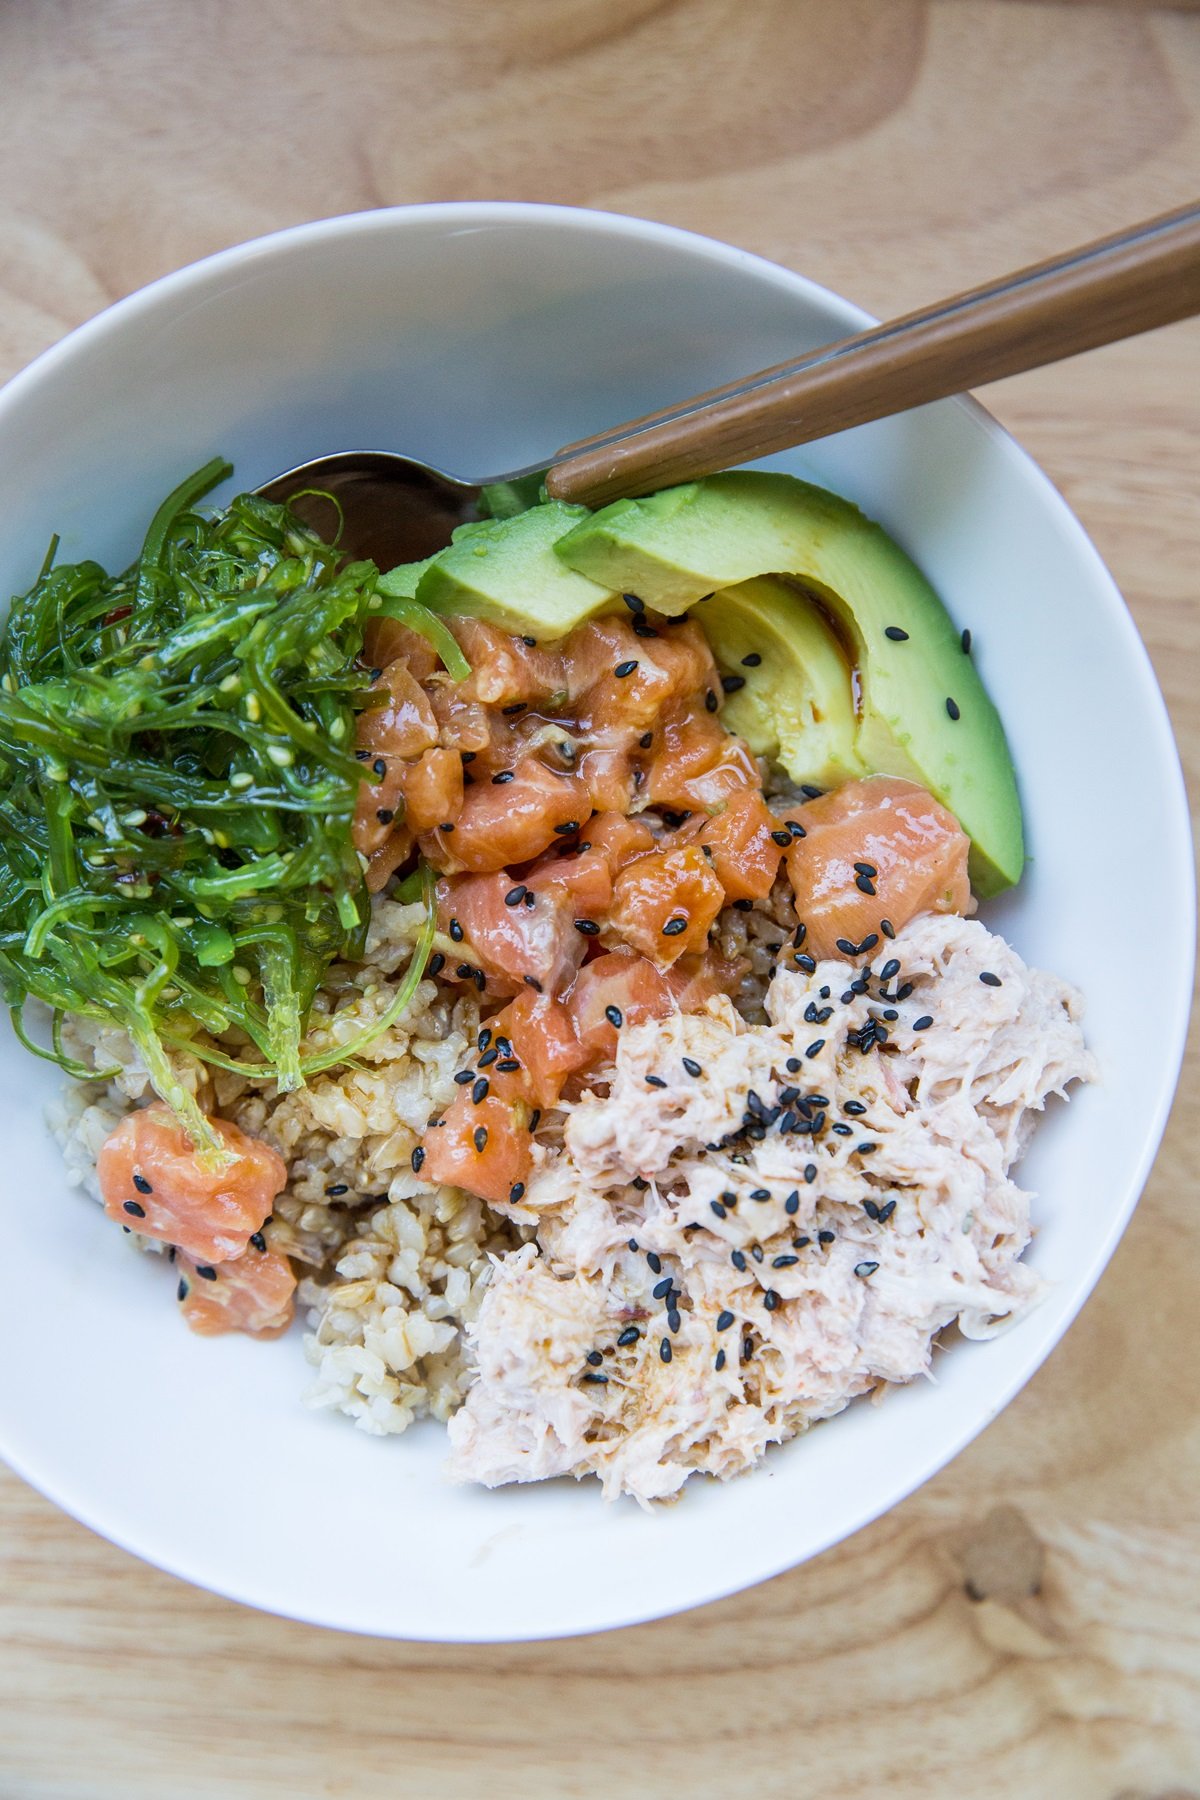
(538, 1027)
(587, 877)
(403, 723)
(253, 1293)
(504, 669)
(485, 1148)
(744, 853)
(432, 786)
(697, 764)
(509, 822)
(664, 903)
(913, 857)
(383, 863)
(693, 980)
(518, 944)
(152, 1180)
(619, 985)
(387, 641)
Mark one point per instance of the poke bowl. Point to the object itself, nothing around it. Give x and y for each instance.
(575, 1006)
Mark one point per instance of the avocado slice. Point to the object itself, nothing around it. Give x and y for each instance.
(401, 582)
(796, 701)
(505, 570)
(922, 712)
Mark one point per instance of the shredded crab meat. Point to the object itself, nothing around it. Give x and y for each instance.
(819, 1212)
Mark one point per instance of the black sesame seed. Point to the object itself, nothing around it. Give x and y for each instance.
(630, 1335)
(664, 1350)
(691, 1066)
(206, 1272)
(889, 1012)
(865, 1268)
(535, 1118)
(516, 707)
(952, 709)
(480, 1136)
(633, 1244)
(655, 1262)
(416, 1159)
(897, 634)
(795, 831)
(902, 993)
(530, 897)
(783, 838)
(719, 1364)
(868, 943)
(437, 963)
(816, 1048)
(588, 927)
(886, 1211)
(595, 1380)
(792, 1203)
(674, 926)
(760, 1193)
(662, 1288)
(865, 868)
(456, 931)
(865, 1149)
(793, 1065)
(826, 1237)
(655, 1081)
(738, 1259)
(865, 885)
(640, 1183)
(489, 1057)
(784, 1262)
(847, 946)
(567, 828)
(258, 1240)
(625, 668)
(181, 1292)
(142, 1185)
(615, 1017)
(516, 1191)
(890, 968)
(871, 1209)
(339, 1187)
(756, 1251)
(633, 603)
(531, 981)
(718, 1209)
(446, 825)
(810, 792)
(480, 1090)
(504, 775)
(464, 1078)
(770, 1299)
(673, 1319)
(711, 702)
(990, 980)
(923, 1023)
(806, 962)
(642, 630)
(843, 1130)
(514, 896)
(810, 1173)
(747, 1349)
(724, 1320)
(752, 661)
(965, 641)
(733, 683)
(132, 1206)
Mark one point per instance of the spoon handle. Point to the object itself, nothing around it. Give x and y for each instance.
(1145, 276)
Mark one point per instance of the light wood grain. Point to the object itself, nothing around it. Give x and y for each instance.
(894, 150)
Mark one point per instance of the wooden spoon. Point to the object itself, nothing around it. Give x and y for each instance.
(394, 509)
(1146, 276)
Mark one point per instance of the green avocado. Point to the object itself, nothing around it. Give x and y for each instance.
(922, 709)
(795, 701)
(505, 570)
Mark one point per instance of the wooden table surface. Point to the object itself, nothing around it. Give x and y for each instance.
(895, 150)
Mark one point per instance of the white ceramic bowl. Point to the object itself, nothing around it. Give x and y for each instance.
(480, 337)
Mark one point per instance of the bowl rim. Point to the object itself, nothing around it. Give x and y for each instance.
(1171, 1030)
